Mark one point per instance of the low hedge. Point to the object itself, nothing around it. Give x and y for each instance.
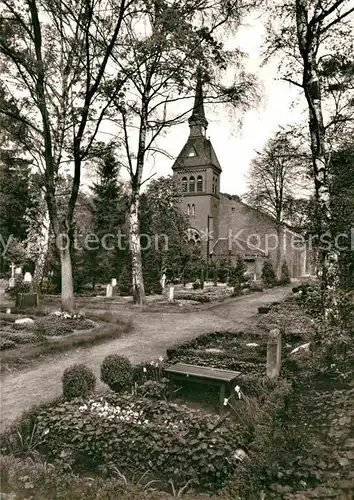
(136, 434)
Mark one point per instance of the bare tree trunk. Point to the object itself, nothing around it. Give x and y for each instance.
(43, 252)
(67, 288)
(137, 268)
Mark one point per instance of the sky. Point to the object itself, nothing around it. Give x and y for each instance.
(235, 145)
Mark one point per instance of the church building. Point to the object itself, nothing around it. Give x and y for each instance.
(222, 224)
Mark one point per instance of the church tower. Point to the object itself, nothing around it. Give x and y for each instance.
(198, 171)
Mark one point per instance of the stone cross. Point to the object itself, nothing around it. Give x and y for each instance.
(163, 281)
(274, 353)
(109, 290)
(171, 293)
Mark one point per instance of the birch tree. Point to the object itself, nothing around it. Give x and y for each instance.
(55, 59)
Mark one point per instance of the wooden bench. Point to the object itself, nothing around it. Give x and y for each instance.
(225, 379)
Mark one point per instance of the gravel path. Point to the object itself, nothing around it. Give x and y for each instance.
(152, 334)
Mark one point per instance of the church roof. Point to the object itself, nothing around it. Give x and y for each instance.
(236, 246)
(197, 152)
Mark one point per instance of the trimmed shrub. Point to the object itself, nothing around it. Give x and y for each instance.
(6, 344)
(285, 275)
(268, 273)
(117, 373)
(78, 381)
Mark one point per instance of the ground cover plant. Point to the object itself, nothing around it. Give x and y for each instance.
(137, 435)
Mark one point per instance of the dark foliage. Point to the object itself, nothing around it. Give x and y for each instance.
(78, 381)
(116, 372)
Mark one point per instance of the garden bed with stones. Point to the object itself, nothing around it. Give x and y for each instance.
(27, 337)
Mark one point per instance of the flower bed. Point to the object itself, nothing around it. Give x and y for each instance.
(227, 350)
(137, 435)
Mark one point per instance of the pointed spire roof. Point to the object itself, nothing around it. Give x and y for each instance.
(197, 122)
(198, 151)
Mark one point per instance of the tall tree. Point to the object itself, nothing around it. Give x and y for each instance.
(15, 200)
(276, 173)
(109, 206)
(56, 59)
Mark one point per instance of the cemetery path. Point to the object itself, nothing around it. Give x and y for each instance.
(152, 334)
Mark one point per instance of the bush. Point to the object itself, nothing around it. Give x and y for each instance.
(285, 275)
(153, 389)
(6, 344)
(78, 381)
(197, 285)
(117, 373)
(20, 287)
(237, 276)
(268, 273)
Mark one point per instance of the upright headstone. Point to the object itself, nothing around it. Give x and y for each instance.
(114, 282)
(27, 278)
(171, 293)
(163, 281)
(274, 353)
(18, 271)
(109, 290)
(11, 282)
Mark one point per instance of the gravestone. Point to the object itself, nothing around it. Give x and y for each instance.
(11, 282)
(163, 281)
(171, 293)
(27, 278)
(114, 282)
(109, 290)
(274, 353)
(18, 271)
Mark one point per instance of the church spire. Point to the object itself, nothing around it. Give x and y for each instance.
(197, 122)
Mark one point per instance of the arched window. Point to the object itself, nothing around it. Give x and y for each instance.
(184, 184)
(188, 209)
(193, 210)
(192, 184)
(199, 183)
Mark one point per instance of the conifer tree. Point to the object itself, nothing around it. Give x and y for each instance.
(108, 216)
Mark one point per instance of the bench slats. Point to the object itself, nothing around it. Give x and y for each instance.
(203, 372)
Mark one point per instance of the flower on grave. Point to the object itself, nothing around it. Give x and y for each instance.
(238, 391)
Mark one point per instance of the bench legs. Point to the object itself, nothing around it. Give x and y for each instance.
(221, 399)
